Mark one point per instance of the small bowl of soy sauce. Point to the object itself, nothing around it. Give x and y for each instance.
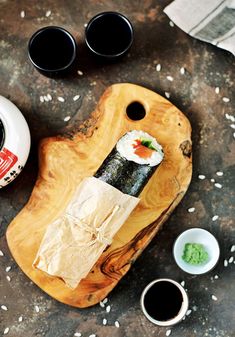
(164, 302)
(109, 35)
(52, 50)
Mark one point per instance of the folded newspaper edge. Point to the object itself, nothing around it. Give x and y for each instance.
(211, 21)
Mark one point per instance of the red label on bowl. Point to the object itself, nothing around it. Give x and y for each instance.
(7, 160)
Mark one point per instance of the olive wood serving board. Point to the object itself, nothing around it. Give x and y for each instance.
(64, 162)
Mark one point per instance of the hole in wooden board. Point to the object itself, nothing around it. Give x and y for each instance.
(135, 111)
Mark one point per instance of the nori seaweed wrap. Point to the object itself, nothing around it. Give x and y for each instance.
(131, 163)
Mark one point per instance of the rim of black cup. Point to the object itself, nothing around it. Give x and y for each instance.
(55, 70)
(124, 18)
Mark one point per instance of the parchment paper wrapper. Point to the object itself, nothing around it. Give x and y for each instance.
(74, 242)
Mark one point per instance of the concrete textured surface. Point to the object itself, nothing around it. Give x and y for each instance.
(30, 312)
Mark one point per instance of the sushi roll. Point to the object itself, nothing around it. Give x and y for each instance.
(131, 163)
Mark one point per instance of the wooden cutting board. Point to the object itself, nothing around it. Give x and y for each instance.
(65, 162)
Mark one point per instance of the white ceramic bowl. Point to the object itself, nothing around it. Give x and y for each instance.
(197, 235)
(15, 145)
(178, 317)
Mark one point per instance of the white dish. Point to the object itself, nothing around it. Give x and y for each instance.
(15, 145)
(197, 235)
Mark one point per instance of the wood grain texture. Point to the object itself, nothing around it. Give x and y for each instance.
(65, 162)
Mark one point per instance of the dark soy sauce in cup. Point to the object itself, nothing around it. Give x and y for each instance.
(52, 49)
(163, 301)
(109, 34)
(1, 135)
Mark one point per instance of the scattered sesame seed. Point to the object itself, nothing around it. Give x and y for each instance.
(188, 312)
(105, 300)
(67, 118)
(20, 319)
(182, 70)
(92, 335)
(214, 298)
(232, 249)
(226, 99)
(218, 185)
(41, 99)
(104, 321)
(76, 97)
(167, 94)
(49, 97)
(117, 324)
(46, 99)
(212, 180)
(37, 308)
(48, 13)
(182, 283)
(216, 277)
(108, 308)
(230, 117)
(170, 78)
(234, 135)
(61, 99)
(77, 334)
(194, 308)
(191, 209)
(158, 67)
(215, 217)
(219, 173)
(102, 304)
(171, 23)
(217, 90)
(201, 176)
(22, 14)
(8, 278)
(93, 83)
(232, 126)
(80, 73)
(85, 25)
(168, 332)
(8, 269)
(230, 259)
(5, 332)
(225, 263)
(1, 253)
(4, 307)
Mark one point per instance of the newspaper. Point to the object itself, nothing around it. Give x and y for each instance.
(207, 20)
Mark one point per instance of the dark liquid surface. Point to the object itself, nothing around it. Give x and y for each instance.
(52, 49)
(1, 135)
(163, 301)
(109, 35)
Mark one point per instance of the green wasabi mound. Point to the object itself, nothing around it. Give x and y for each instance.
(194, 253)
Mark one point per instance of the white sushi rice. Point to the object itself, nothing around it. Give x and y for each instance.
(126, 150)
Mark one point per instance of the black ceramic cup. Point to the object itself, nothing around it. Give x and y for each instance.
(109, 35)
(52, 50)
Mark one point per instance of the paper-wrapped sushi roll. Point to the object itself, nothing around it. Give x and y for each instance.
(99, 207)
(131, 163)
